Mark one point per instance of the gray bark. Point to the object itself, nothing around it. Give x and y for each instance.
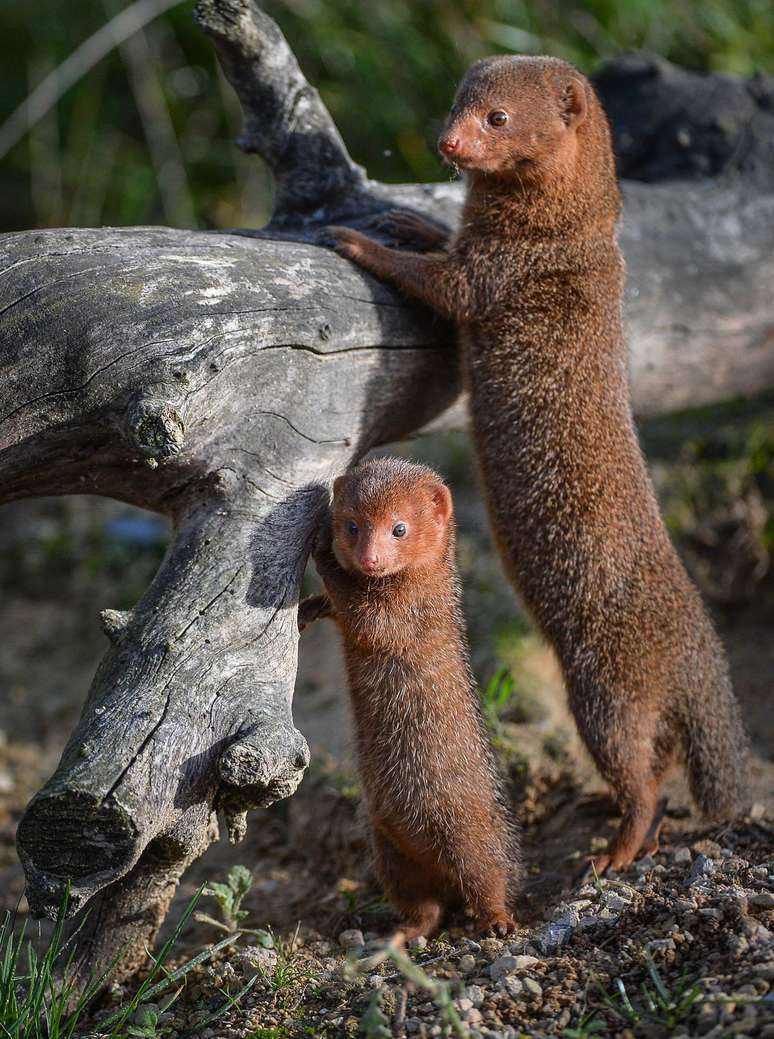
(223, 379)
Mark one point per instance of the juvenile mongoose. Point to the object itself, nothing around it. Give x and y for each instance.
(534, 278)
(440, 834)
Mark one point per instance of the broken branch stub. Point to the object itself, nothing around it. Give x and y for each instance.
(223, 379)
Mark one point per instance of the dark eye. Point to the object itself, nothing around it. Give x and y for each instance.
(497, 118)
(399, 530)
(353, 528)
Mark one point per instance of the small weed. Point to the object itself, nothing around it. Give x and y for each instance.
(496, 695)
(229, 897)
(438, 990)
(374, 1024)
(590, 1024)
(150, 1028)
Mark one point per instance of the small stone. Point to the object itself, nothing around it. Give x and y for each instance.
(682, 855)
(662, 944)
(702, 868)
(525, 962)
(614, 901)
(709, 849)
(467, 963)
(512, 985)
(757, 811)
(645, 864)
(473, 1017)
(492, 948)
(351, 939)
(463, 1004)
(761, 900)
(375, 980)
(413, 1024)
(503, 965)
(420, 942)
(475, 994)
(764, 970)
(550, 938)
(598, 844)
(532, 988)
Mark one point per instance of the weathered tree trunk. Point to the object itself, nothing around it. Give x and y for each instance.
(223, 379)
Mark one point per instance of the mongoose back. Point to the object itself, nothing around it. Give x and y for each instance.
(534, 278)
(440, 832)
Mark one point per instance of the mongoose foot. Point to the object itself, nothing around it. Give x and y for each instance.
(619, 857)
(411, 229)
(424, 921)
(500, 925)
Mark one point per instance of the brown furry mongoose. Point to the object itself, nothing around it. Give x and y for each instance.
(440, 832)
(534, 279)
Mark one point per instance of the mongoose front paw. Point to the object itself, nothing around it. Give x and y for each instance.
(349, 243)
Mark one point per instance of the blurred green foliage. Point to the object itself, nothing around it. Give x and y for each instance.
(146, 135)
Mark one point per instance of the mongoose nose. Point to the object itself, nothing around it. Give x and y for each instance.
(369, 562)
(449, 145)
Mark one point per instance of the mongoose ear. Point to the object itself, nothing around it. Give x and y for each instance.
(338, 484)
(574, 104)
(442, 502)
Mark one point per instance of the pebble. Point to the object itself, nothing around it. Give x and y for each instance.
(413, 1024)
(662, 944)
(420, 942)
(525, 962)
(467, 963)
(551, 938)
(702, 868)
(351, 939)
(762, 900)
(503, 965)
(532, 988)
(645, 864)
(375, 980)
(512, 985)
(682, 855)
(475, 994)
(463, 1004)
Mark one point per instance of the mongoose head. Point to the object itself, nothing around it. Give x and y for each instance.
(516, 118)
(388, 516)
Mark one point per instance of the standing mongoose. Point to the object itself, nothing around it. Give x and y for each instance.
(440, 833)
(534, 278)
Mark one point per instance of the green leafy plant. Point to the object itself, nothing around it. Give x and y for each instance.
(150, 1028)
(229, 897)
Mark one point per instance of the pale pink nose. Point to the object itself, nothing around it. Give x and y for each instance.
(449, 145)
(369, 562)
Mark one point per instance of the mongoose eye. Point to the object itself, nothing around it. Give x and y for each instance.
(353, 528)
(399, 530)
(497, 118)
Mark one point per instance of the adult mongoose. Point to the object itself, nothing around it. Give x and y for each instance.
(534, 278)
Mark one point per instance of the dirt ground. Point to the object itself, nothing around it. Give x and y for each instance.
(60, 562)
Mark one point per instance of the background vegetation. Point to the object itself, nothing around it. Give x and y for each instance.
(146, 134)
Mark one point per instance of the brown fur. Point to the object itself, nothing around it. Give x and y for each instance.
(440, 835)
(534, 278)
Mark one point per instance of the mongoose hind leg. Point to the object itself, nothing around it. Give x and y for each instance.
(487, 896)
(638, 799)
(419, 895)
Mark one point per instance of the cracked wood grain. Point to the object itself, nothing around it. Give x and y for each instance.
(223, 379)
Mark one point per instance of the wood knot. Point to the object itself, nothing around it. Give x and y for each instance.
(156, 428)
(114, 623)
